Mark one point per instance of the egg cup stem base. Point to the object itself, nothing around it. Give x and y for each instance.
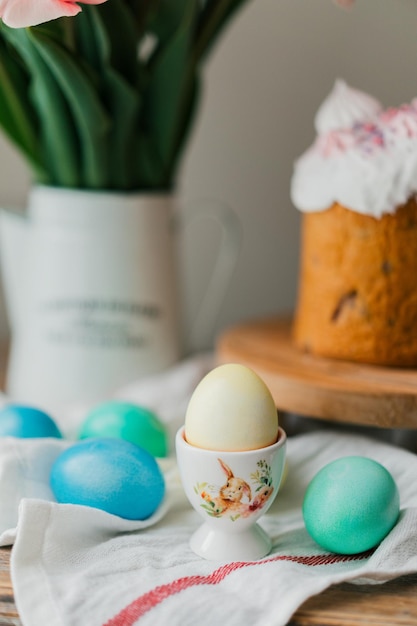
(248, 545)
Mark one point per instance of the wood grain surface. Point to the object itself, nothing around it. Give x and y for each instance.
(8, 612)
(337, 391)
(389, 604)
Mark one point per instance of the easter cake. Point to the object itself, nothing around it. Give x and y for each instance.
(356, 188)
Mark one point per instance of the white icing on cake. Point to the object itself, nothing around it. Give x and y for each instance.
(363, 157)
(343, 107)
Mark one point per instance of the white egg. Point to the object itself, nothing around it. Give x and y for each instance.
(231, 409)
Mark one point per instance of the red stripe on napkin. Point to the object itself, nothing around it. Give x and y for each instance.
(136, 609)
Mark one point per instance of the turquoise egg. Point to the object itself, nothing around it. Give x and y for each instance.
(109, 474)
(26, 422)
(351, 505)
(127, 421)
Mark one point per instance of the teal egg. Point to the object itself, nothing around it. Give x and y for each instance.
(350, 505)
(109, 474)
(26, 422)
(128, 421)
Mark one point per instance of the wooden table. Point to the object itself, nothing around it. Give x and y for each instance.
(391, 604)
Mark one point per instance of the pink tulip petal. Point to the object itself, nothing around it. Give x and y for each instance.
(22, 13)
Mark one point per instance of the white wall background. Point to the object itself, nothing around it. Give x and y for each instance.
(263, 85)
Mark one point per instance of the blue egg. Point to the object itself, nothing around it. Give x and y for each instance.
(350, 505)
(111, 474)
(26, 422)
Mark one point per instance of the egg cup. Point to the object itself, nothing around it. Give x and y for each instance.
(231, 490)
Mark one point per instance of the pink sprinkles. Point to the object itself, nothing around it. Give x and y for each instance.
(386, 130)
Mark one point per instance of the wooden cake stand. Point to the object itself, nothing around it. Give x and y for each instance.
(310, 386)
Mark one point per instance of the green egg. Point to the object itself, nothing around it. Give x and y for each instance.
(351, 505)
(128, 421)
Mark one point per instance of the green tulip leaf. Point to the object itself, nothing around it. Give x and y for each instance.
(167, 87)
(120, 99)
(59, 146)
(17, 115)
(90, 118)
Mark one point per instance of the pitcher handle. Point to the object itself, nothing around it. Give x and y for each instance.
(224, 266)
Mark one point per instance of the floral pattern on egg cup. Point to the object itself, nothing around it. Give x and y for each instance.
(236, 497)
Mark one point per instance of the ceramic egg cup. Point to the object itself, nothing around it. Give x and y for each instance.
(230, 491)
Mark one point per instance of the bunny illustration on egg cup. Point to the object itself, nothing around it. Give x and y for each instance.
(230, 491)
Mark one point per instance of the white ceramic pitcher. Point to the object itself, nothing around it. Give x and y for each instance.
(91, 289)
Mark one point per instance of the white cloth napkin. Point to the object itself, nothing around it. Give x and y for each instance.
(73, 565)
